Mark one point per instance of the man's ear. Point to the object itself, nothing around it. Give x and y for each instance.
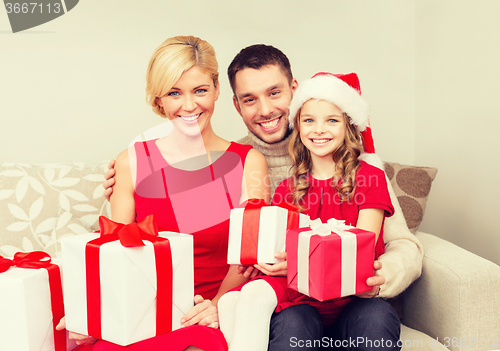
(294, 85)
(236, 105)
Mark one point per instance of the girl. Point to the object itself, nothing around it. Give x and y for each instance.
(330, 180)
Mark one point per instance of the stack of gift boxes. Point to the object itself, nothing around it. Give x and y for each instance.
(128, 283)
(125, 284)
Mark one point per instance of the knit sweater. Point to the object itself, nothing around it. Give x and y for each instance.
(278, 160)
(402, 260)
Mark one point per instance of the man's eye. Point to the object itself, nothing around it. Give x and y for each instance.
(274, 93)
(246, 101)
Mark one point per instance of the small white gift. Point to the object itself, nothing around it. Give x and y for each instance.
(31, 304)
(258, 231)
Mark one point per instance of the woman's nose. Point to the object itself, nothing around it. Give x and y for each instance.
(189, 103)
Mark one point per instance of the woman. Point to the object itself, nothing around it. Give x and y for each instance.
(191, 178)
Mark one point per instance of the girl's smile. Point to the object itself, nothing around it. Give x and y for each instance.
(322, 127)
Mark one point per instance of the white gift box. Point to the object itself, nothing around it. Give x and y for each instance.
(128, 286)
(26, 315)
(271, 236)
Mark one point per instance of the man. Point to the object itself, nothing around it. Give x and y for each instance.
(263, 86)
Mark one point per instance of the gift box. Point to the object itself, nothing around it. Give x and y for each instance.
(128, 282)
(329, 260)
(258, 231)
(31, 304)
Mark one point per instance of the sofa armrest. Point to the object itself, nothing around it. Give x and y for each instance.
(457, 298)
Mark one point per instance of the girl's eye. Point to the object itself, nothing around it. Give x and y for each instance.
(307, 120)
(173, 93)
(332, 120)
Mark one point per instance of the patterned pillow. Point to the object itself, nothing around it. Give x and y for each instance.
(411, 186)
(39, 204)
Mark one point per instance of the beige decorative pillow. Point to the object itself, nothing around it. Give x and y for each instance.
(411, 186)
(39, 204)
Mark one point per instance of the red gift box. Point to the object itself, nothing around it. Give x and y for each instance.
(330, 260)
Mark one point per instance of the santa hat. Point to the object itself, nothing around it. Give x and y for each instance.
(344, 91)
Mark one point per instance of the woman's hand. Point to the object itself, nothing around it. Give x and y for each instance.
(374, 281)
(203, 313)
(276, 269)
(79, 338)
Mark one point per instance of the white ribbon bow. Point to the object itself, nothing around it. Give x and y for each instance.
(348, 259)
(332, 225)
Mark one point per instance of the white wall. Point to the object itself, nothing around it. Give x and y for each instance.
(458, 119)
(73, 89)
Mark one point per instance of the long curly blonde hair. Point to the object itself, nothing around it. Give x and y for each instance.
(345, 158)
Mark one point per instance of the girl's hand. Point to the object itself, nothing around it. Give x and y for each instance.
(374, 281)
(248, 272)
(79, 338)
(203, 313)
(276, 269)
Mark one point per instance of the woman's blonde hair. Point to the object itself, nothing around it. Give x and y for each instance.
(345, 158)
(171, 59)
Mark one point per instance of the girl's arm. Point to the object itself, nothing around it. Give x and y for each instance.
(122, 200)
(371, 219)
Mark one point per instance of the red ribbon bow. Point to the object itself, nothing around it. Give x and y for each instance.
(251, 221)
(130, 235)
(37, 260)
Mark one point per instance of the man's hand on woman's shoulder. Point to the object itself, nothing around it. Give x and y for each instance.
(110, 180)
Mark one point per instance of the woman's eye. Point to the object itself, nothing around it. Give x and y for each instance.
(173, 93)
(201, 91)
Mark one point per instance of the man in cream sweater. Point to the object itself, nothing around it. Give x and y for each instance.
(263, 86)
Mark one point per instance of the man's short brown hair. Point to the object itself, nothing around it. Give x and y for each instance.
(257, 56)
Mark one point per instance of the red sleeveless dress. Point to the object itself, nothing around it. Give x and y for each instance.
(196, 202)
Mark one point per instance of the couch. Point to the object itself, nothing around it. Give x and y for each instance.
(454, 305)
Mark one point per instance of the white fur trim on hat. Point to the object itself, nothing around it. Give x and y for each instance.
(336, 91)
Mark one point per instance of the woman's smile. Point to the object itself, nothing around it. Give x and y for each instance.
(192, 118)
